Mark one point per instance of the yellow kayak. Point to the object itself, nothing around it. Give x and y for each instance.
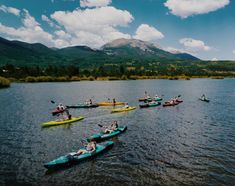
(123, 109)
(53, 123)
(109, 103)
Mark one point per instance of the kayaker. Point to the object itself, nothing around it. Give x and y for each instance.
(126, 105)
(111, 128)
(174, 100)
(90, 147)
(90, 102)
(114, 101)
(60, 107)
(114, 125)
(203, 97)
(68, 116)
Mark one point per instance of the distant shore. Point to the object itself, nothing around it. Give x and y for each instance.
(5, 82)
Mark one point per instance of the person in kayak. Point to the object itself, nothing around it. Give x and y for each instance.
(61, 106)
(114, 101)
(67, 115)
(111, 128)
(174, 100)
(203, 97)
(126, 105)
(90, 147)
(90, 102)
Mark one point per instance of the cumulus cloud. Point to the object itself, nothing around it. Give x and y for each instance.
(194, 45)
(93, 27)
(30, 31)
(10, 10)
(94, 3)
(186, 8)
(147, 33)
(49, 21)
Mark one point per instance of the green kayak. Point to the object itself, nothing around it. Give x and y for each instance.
(103, 136)
(73, 158)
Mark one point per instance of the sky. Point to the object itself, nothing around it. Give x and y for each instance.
(204, 28)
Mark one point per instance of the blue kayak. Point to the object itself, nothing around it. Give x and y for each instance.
(103, 136)
(73, 158)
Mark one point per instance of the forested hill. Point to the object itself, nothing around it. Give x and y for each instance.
(24, 54)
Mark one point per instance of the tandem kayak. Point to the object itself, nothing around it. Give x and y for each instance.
(53, 123)
(73, 158)
(206, 100)
(109, 103)
(103, 136)
(123, 109)
(83, 106)
(150, 105)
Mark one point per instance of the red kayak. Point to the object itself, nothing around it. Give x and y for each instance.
(168, 104)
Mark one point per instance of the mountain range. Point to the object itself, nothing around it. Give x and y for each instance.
(26, 54)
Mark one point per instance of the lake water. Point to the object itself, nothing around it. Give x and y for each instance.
(192, 143)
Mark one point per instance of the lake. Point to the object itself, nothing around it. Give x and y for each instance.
(192, 143)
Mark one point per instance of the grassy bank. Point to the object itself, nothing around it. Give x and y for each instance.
(32, 79)
(4, 82)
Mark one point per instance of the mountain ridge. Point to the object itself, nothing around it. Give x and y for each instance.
(23, 53)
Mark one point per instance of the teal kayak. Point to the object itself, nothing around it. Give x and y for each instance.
(72, 158)
(157, 99)
(103, 136)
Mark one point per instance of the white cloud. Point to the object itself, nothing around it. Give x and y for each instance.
(94, 3)
(147, 33)
(30, 31)
(92, 27)
(186, 8)
(194, 45)
(10, 10)
(50, 22)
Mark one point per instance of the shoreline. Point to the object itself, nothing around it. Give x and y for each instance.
(43, 79)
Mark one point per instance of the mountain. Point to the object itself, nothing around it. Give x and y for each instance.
(22, 53)
(133, 48)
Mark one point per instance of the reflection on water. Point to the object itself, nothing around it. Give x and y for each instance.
(192, 143)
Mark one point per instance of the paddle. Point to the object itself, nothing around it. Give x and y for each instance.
(52, 102)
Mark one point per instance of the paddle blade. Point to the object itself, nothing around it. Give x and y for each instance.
(52, 102)
(100, 125)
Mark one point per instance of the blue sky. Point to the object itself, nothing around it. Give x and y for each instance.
(205, 28)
